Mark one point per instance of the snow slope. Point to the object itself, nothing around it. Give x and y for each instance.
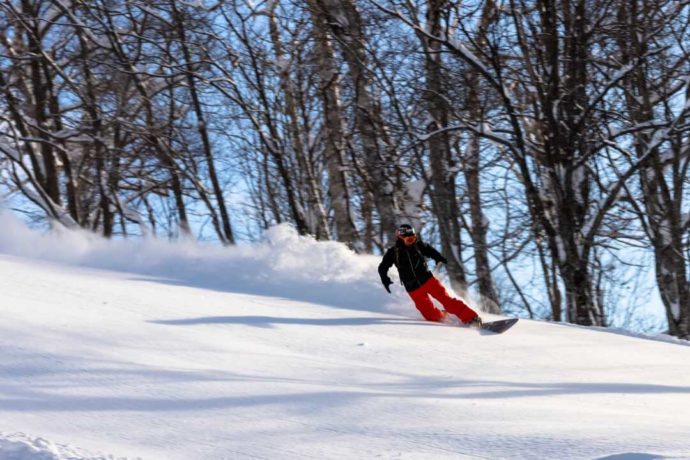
(275, 352)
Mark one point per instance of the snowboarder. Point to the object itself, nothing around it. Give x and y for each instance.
(409, 256)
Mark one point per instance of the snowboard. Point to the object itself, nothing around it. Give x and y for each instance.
(500, 326)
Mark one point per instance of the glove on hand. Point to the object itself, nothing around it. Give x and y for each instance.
(386, 283)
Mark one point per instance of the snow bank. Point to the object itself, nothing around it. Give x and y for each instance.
(284, 265)
(18, 446)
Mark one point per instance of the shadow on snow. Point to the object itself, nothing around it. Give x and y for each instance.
(271, 321)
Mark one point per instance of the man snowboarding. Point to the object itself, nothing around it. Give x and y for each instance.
(409, 257)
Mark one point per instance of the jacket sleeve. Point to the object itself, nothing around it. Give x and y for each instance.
(386, 263)
(432, 253)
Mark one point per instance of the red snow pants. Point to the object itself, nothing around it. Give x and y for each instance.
(435, 289)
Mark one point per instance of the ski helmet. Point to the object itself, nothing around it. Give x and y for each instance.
(406, 233)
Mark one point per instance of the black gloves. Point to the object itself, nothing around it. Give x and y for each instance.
(386, 281)
(442, 260)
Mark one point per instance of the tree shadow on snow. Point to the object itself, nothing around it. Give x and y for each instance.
(632, 456)
(528, 390)
(272, 321)
(33, 382)
(24, 398)
(356, 295)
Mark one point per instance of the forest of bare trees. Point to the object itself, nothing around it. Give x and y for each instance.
(544, 146)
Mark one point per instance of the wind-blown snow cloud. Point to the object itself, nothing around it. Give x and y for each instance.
(284, 264)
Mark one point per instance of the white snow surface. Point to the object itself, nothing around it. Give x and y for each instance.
(290, 349)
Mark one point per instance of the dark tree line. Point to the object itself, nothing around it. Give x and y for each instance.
(543, 145)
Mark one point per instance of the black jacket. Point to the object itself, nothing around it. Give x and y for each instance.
(410, 262)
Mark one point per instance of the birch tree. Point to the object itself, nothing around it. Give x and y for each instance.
(347, 26)
(444, 168)
(334, 138)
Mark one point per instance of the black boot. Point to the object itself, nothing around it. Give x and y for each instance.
(476, 322)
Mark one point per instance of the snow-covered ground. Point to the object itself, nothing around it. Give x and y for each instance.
(291, 349)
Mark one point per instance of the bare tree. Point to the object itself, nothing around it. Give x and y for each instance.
(33, 112)
(550, 125)
(312, 187)
(333, 129)
(554, 132)
(444, 167)
(226, 235)
(346, 24)
(651, 40)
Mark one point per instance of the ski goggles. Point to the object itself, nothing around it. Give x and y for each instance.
(407, 234)
(406, 231)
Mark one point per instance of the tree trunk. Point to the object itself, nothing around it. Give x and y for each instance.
(100, 150)
(346, 25)
(40, 98)
(227, 236)
(443, 170)
(66, 162)
(472, 169)
(562, 165)
(152, 135)
(320, 227)
(334, 145)
(660, 197)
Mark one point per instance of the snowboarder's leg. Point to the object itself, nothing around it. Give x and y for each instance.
(425, 306)
(451, 304)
